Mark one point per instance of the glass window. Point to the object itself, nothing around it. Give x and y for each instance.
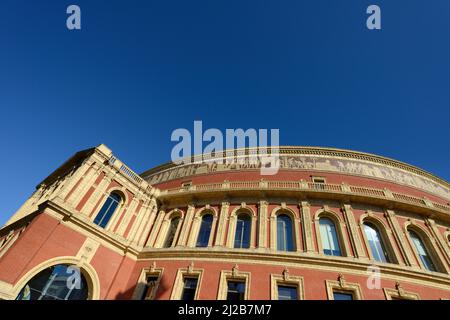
(171, 232)
(342, 296)
(189, 289)
(285, 241)
(329, 237)
(287, 292)
(424, 255)
(60, 282)
(375, 241)
(236, 290)
(243, 231)
(205, 231)
(150, 288)
(107, 210)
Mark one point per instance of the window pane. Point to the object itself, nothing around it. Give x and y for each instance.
(422, 251)
(243, 231)
(329, 237)
(54, 284)
(342, 296)
(375, 243)
(171, 232)
(190, 286)
(107, 210)
(287, 293)
(236, 290)
(285, 241)
(205, 231)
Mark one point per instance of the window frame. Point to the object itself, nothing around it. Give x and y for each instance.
(117, 209)
(176, 232)
(292, 237)
(384, 242)
(249, 222)
(337, 235)
(141, 286)
(211, 230)
(399, 294)
(182, 273)
(431, 250)
(345, 287)
(233, 275)
(286, 280)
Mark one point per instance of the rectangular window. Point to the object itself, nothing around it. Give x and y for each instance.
(319, 183)
(189, 289)
(319, 180)
(287, 292)
(339, 295)
(236, 290)
(186, 185)
(150, 288)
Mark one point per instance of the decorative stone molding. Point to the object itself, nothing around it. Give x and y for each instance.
(318, 159)
(142, 282)
(234, 274)
(399, 293)
(189, 272)
(86, 269)
(342, 286)
(353, 232)
(262, 230)
(308, 239)
(288, 280)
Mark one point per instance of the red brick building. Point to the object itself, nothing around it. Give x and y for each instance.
(331, 224)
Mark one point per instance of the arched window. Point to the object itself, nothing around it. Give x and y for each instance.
(376, 245)
(173, 227)
(106, 212)
(422, 251)
(329, 237)
(285, 237)
(243, 231)
(205, 231)
(60, 282)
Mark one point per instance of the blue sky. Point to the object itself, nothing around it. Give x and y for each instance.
(140, 69)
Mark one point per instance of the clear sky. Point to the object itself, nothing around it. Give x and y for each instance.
(137, 70)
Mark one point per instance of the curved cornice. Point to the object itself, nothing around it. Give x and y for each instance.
(321, 159)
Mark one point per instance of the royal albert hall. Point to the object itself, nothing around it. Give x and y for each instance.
(331, 224)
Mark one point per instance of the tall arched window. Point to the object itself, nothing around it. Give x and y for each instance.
(60, 282)
(329, 237)
(376, 245)
(106, 212)
(170, 237)
(243, 231)
(285, 236)
(422, 251)
(205, 231)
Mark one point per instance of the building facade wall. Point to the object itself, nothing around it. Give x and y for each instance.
(56, 225)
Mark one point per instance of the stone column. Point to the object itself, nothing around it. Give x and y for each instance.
(355, 239)
(221, 227)
(262, 229)
(187, 222)
(156, 227)
(307, 227)
(401, 240)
